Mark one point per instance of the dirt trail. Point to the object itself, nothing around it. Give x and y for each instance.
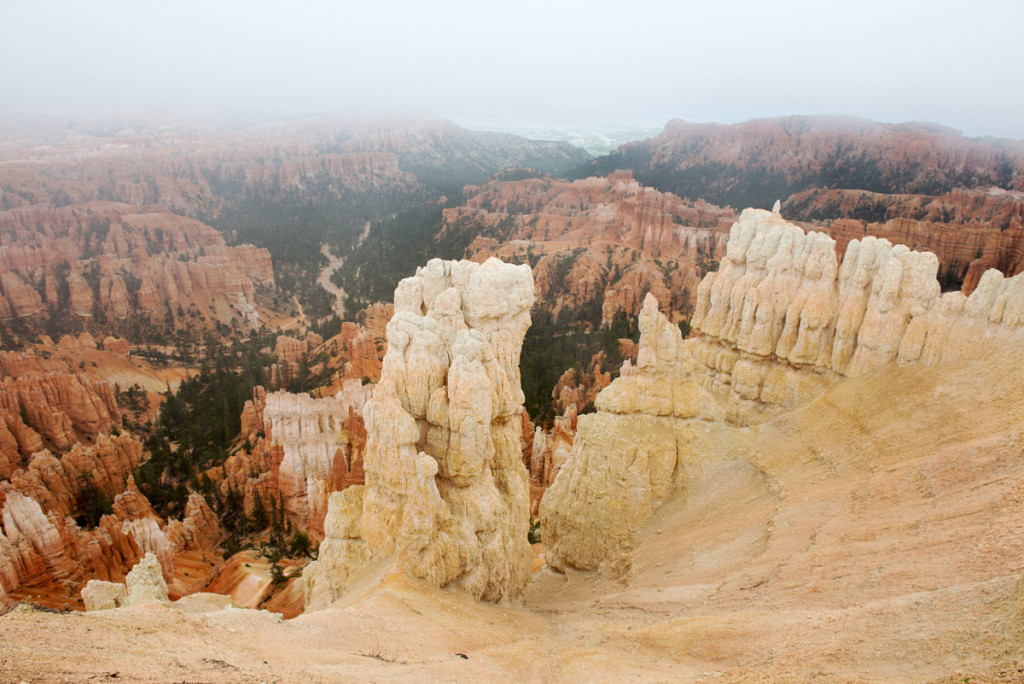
(334, 263)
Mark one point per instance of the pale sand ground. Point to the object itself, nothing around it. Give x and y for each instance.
(875, 535)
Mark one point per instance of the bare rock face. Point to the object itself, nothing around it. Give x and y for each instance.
(781, 316)
(312, 434)
(81, 300)
(198, 530)
(342, 552)
(100, 595)
(446, 492)
(597, 243)
(21, 298)
(648, 430)
(146, 582)
(35, 546)
(778, 321)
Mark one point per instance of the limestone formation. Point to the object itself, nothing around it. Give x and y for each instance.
(146, 582)
(778, 321)
(342, 552)
(598, 244)
(781, 317)
(446, 492)
(649, 430)
(100, 595)
(199, 529)
(36, 545)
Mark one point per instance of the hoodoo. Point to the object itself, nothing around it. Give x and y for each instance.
(446, 494)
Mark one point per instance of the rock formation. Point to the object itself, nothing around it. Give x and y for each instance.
(101, 595)
(446, 491)
(969, 230)
(780, 316)
(597, 244)
(649, 428)
(777, 323)
(319, 454)
(144, 584)
(754, 162)
(356, 353)
(296, 451)
(174, 264)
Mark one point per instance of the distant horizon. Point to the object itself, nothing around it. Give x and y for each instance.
(476, 123)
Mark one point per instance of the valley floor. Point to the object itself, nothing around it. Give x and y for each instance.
(874, 535)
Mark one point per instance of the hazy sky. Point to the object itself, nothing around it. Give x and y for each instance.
(955, 63)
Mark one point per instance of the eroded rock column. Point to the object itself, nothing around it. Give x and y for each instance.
(446, 491)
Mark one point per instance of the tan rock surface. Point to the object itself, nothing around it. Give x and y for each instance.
(446, 492)
(100, 595)
(146, 583)
(781, 316)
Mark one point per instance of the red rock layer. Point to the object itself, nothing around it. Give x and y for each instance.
(114, 259)
(598, 243)
(356, 353)
(295, 453)
(793, 154)
(44, 553)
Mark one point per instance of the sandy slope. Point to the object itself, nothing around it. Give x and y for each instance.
(876, 534)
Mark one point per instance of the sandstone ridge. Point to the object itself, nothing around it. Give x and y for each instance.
(781, 315)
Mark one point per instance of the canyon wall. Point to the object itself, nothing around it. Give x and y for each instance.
(596, 244)
(756, 162)
(652, 426)
(70, 509)
(321, 450)
(106, 261)
(446, 491)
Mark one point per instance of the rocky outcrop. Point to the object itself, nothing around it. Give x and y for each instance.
(355, 353)
(58, 406)
(778, 322)
(446, 491)
(20, 298)
(198, 530)
(649, 429)
(318, 454)
(755, 162)
(581, 387)
(36, 545)
(80, 295)
(342, 552)
(781, 316)
(549, 451)
(146, 583)
(42, 546)
(172, 264)
(289, 349)
(60, 484)
(101, 595)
